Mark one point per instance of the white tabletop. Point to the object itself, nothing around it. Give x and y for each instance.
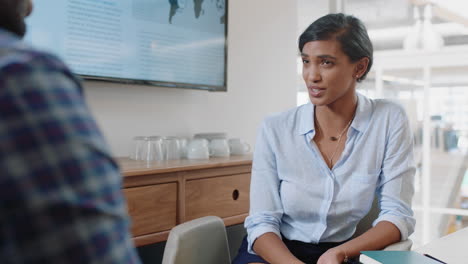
(452, 248)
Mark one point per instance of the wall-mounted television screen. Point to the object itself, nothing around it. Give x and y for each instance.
(170, 43)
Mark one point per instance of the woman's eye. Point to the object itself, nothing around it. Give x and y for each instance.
(327, 62)
(305, 61)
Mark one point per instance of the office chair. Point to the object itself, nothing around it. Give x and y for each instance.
(202, 240)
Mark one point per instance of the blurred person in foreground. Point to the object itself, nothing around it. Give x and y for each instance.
(317, 167)
(60, 191)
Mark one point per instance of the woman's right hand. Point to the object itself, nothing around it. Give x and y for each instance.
(332, 256)
(272, 249)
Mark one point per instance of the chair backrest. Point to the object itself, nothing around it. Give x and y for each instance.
(202, 240)
(366, 223)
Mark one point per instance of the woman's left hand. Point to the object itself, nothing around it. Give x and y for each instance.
(332, 256)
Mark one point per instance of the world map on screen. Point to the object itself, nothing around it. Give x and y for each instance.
(179, 5)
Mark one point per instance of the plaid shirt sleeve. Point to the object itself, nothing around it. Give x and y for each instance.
(60, 190)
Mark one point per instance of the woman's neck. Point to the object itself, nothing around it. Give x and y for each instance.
(335, 116)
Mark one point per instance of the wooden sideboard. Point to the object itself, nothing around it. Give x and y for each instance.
(162, 194)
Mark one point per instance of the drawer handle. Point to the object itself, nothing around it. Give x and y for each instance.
(235, 195)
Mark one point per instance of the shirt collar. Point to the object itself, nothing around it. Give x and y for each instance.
(7, 36)
(360, 122)
(9, 40)
(306, 119)
(363, 113)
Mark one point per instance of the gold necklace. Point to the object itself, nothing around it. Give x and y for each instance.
(335, 139)
(332, 138)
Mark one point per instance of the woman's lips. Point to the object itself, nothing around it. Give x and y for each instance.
(316, 91)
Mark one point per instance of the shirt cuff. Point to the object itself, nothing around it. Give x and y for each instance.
(400, 223)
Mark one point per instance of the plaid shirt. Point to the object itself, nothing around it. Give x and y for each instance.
(60, 190)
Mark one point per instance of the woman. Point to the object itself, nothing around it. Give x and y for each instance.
(318, 167)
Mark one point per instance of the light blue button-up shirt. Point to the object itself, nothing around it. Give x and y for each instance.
(293, 192)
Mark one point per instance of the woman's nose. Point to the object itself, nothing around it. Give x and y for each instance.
(312, 75)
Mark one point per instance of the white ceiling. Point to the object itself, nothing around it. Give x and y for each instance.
(389, 21)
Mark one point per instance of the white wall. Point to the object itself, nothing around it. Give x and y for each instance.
(308, 11)
(261, 80)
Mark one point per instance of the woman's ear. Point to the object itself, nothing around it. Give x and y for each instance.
(28, 8)
(361, 67)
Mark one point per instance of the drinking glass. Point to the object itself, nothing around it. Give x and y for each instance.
(153, 149)
(172, 150)
(138, 144)
(183, 143)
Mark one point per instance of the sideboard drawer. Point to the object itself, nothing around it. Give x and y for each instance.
(221, 196)
(152, 208)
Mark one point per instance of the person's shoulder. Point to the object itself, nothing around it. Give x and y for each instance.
(19, 56)
(388, 107)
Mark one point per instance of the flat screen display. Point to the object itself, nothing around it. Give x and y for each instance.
(171, 43)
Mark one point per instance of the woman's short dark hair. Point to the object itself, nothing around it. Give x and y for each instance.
(348, 30)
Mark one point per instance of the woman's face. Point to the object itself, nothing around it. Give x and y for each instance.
(329, 74)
